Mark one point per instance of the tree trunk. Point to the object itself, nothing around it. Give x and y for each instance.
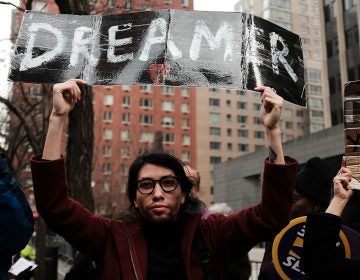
(79, 151)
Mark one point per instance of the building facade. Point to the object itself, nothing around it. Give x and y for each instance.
(342, 21)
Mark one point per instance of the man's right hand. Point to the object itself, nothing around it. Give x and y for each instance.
(65, 96)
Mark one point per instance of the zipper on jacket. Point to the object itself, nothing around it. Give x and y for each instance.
(131, 255)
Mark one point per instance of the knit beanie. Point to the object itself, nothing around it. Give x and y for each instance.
(314, 181)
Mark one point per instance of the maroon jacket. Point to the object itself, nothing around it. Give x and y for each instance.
(121, 247)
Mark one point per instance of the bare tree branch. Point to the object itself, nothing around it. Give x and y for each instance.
(31, 137)
(11, 4)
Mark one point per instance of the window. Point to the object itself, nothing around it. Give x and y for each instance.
(300, 126)
(259, 134)
(241, 105)
(304, 30)
(214, 117)
(146, 119)
(289, 125)
(214, 102)
(145, 88)
(229, 147)
(106, 187)
(215, 131)
(126, 101)
(125, 117)
(349, 39)
(214, 160)
(185, 123)
(185, 108)
(257, 120)
(317, 114)
(185, 156)
(108, 116)
(243, 147)
(146, 103)
(215, 145)
(124, 169)
(215, 90)
(241, 92)
(168, 137)
(146, 137)
(185, 3)
(229, 132)
(125, 152)
(228, 103)
(287, 113)
(167, 105)
(126, 87)
(304, 19)
(241, 119)
(313, 75)
(107, 134)
(242, 133)
(107, 168)
(108, 100)
(303, 8)
(257, 106)
(229, 118)
(315, 103)
(106, 150)
(313, 90)
(185, 92)
(167, 121)
(125, 135)
(300, 113)
(168, 90)
(186, 140)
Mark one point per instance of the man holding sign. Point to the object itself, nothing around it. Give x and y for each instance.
(158, 236)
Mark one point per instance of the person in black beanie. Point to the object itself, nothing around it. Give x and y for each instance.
(313, 188)
(311, 195)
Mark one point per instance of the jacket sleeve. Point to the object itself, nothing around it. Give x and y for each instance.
(239, 232)
(16, 218)
(62, 214)
(321, 259)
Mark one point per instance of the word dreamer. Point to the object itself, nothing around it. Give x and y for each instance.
(167, 47)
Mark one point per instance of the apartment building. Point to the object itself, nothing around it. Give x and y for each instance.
(342, 21)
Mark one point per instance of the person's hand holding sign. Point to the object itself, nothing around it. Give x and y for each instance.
(342, 192)
(270, 114)
(65, 96)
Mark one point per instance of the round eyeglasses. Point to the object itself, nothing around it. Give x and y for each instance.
(167, 184)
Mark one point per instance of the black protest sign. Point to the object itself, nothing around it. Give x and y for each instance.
(165, 47)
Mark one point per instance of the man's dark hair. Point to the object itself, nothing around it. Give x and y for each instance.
(164, 160)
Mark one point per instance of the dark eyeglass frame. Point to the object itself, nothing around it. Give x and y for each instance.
(160, 181)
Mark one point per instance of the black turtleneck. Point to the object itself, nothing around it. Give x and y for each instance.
(164, 250)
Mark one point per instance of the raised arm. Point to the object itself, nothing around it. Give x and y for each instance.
(65, 96)
(270, 114)
(321, 258)
(342, 193)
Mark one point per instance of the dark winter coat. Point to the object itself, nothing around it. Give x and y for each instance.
(121, 248)
(16, 218)
(320, 255)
